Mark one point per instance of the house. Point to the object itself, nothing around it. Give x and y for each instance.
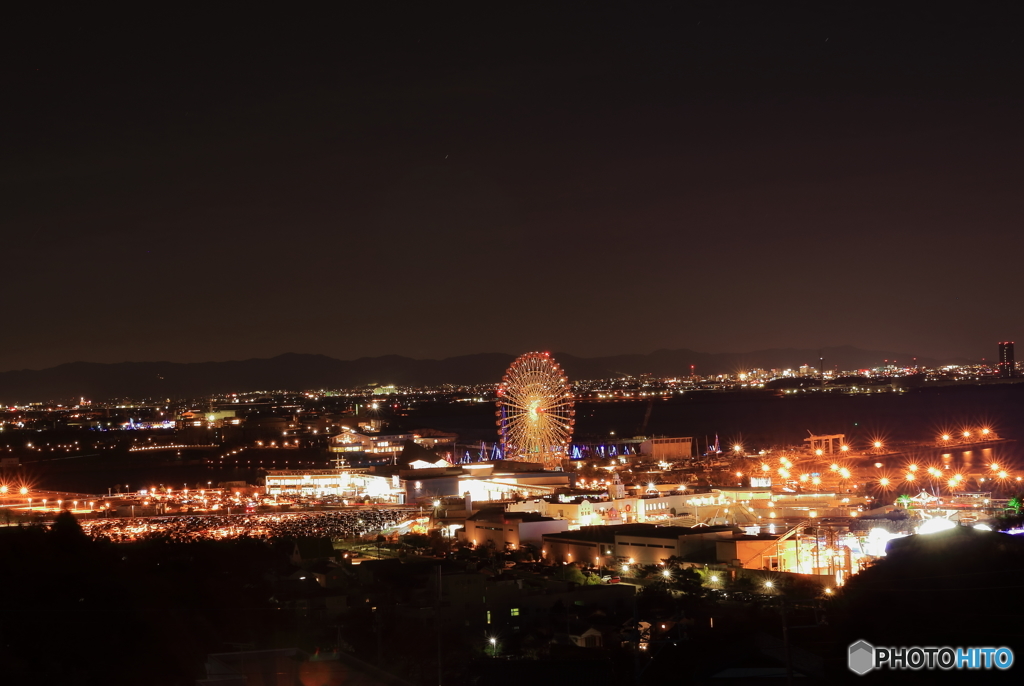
(310, 549)
(581, 634)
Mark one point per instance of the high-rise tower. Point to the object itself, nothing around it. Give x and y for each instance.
(1007, 369)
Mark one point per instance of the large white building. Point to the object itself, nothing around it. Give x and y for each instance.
(715, 507)
(343, 483)
(498, 481)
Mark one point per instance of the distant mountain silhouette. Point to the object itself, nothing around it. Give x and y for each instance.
(293, 371)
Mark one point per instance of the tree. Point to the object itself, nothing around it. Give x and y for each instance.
(647, 572)
(950, 587)
(416, 541)
(67, 533)
(741, 584)
(569, 573)
(688, 581)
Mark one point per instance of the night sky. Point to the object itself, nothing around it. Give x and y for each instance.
(438, 179)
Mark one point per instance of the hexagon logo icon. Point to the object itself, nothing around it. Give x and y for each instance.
(862, 657)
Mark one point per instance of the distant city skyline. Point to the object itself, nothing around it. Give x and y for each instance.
(993, 354)
(312, 372)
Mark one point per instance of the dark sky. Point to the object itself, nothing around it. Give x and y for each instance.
(437, 179)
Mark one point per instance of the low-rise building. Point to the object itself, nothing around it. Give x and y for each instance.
(510, 529)
(642, 544)
(668, 448)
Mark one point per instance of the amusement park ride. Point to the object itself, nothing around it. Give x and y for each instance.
(535, 414)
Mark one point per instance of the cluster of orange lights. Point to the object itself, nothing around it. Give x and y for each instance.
(912, 475)
(953, 480)
(967, 434)
(786, 471)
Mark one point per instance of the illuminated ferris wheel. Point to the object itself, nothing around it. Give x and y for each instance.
(535, 411)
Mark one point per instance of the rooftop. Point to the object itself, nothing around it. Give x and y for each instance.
(495, 514)
(607, 534)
